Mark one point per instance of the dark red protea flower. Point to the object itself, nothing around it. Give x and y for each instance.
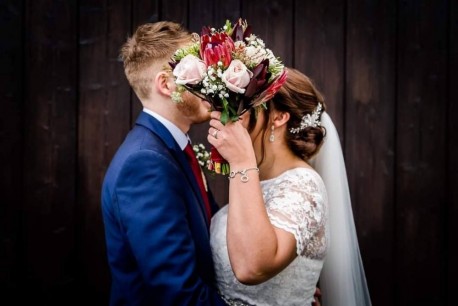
(259, 79)
(215, 47)
(270, 92)
(241, 31)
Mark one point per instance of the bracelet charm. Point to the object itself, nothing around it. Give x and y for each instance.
(244, 176)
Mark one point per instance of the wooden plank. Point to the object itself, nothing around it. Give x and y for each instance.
(174, 10)
(104, 120)
(452, 210)
(319, 51)
(143, 11)
(370, 137)
(421, 152)
(227, 10)
(11, 135)
(273, 22)
(49, 149)
(201, 14)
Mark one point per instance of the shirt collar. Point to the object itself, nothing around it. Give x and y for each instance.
(181, 138)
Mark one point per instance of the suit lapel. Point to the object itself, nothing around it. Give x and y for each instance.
(161, 131)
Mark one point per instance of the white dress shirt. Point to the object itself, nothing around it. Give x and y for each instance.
(181, 138)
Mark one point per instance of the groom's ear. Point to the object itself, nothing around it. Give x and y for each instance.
(164, 83)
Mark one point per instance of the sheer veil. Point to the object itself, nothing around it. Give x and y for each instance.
(342, 280)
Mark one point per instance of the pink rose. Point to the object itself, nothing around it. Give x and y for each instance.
(190, 70)
(237, 76)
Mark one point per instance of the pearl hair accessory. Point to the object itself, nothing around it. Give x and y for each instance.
(309, 120)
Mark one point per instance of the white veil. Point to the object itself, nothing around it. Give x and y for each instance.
(342, 280)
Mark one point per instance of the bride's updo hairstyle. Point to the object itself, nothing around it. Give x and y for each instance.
(299, 97)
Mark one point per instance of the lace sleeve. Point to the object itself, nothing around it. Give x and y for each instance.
(297, 204)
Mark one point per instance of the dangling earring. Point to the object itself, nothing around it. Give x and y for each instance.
(272, 136)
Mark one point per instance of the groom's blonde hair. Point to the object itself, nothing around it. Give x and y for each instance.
(150, 48)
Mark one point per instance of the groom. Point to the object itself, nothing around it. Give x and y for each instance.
(156, 212)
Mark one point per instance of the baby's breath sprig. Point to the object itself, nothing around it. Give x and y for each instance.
(192, 49)
(212, 82)
(176, 95)
(202, 155)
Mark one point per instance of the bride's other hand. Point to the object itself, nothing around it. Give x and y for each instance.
(232, 141)
(317, 297)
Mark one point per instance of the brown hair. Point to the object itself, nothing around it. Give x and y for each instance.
(298, 96)
(151, 44)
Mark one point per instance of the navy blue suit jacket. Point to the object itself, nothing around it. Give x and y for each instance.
(156, 231)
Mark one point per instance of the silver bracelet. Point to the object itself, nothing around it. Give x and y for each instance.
(244, 178)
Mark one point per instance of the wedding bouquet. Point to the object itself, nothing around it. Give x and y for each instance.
(232, 69)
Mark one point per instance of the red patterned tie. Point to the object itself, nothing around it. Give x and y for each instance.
(198, 175)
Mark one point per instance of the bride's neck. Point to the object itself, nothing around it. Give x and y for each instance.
(277, 160)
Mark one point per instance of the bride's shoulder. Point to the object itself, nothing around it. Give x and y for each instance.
(300, 174)
(300, 177)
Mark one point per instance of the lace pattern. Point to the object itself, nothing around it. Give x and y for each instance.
(296, 201)
(231, 302)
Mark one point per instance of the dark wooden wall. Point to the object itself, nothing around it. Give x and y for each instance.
(388, 70)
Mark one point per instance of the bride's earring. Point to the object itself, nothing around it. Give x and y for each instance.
(272, 136)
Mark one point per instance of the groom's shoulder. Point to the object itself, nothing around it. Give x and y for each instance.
(137, 140)
(137, 144)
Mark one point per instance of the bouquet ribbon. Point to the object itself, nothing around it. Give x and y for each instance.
(217, 163)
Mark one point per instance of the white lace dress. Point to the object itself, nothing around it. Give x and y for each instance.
(296, 201)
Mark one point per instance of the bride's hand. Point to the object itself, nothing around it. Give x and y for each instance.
(232, 141)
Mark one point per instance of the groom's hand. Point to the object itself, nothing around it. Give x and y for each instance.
(317, 297)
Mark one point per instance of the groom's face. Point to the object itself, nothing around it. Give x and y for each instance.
(194, 108)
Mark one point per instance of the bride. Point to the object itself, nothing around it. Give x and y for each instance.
(271, 241)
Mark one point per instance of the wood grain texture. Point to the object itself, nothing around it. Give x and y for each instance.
(104, 120)
(11, 144)
(370, 136)
(421, 152)
(49, 148)
(273, 22)
(451, 229)
(227, 10)
(319, 51)
(175, 10)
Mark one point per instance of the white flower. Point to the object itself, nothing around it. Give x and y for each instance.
(239, 44)
(203, 157)
(237, 76)
(190, 70)
(255, 54)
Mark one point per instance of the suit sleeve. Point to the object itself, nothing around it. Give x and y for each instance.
(152, 208)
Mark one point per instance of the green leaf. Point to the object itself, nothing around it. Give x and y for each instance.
(224, 116)
(228, 27)
(234, 118)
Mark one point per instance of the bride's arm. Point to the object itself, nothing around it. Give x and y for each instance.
(257, 249)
